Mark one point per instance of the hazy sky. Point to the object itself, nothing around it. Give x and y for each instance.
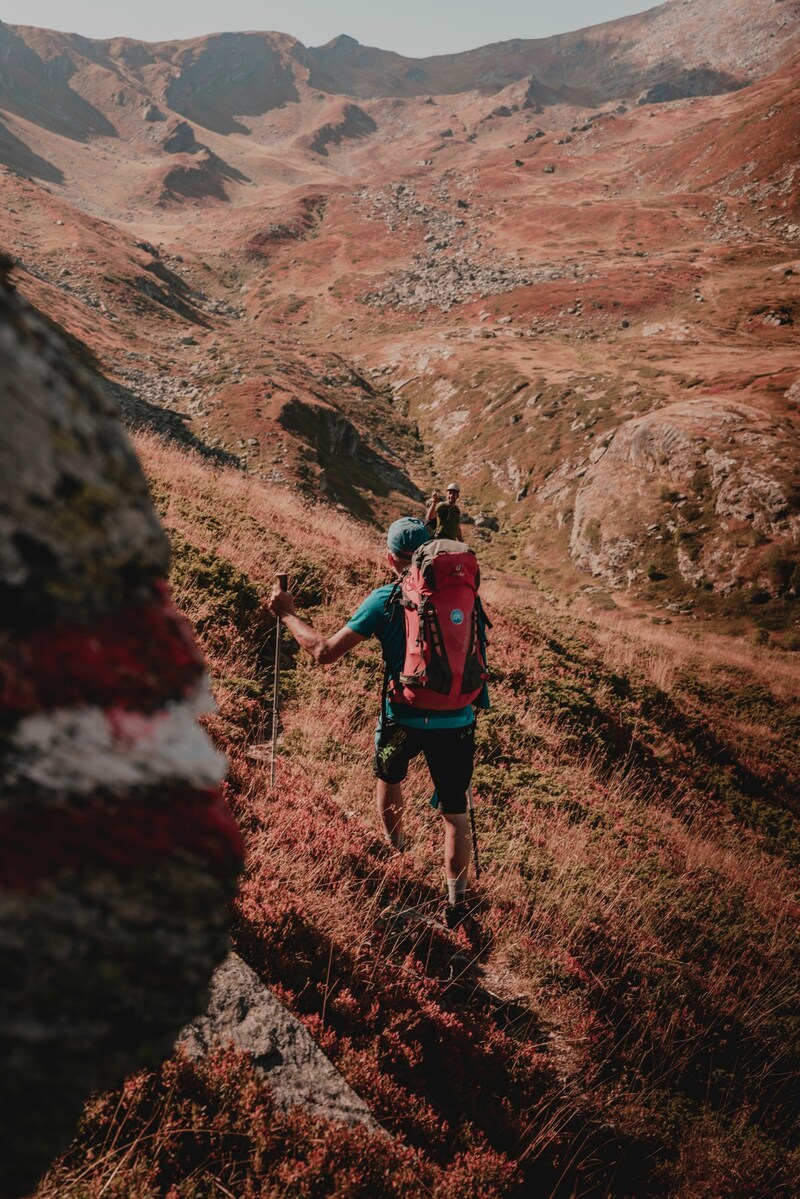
(413, 27)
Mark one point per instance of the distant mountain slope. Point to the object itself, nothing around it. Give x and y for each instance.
(79, 87)
(611, 59)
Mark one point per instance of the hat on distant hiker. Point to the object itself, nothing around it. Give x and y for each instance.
(405, 536)
(453, 487)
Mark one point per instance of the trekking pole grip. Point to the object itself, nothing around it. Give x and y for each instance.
(283, 582)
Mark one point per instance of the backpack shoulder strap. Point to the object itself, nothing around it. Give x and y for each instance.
(393, 608)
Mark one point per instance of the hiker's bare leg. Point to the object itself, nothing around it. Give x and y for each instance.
(389, 798)
(457, 845)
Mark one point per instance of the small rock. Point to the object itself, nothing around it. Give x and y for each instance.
(777, 317)
(244, 1013)
(484, 521)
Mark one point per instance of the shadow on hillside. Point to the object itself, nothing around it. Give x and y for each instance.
(351, 468)
(669, 740)
(39, 91)
(225, 169)
(137, 413)
(367, 472)
(176, 294)
(23, 161)
(76, 347)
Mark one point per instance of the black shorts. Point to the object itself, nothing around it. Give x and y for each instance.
(449, 754)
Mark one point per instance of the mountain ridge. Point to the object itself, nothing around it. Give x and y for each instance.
(615, 57)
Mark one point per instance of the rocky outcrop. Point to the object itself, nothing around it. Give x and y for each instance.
(229, 76)
(539, 96)
(295, 225)
(180, 139)
(151, 113)
(117, 854)
(704, 489)
(193, 177)
(354, 123)
(244, 1013)
(682, 84)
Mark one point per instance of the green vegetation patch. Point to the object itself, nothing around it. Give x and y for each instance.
(218, 588)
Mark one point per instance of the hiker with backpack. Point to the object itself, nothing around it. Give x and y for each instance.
(431, 628)
(443, 517)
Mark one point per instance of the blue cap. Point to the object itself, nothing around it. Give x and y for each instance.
(405, 536)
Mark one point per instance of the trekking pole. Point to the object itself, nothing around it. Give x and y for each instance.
(282, 583)
(471, 806)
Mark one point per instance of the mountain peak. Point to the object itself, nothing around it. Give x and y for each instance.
(342, 42)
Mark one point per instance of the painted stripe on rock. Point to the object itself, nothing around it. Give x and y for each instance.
(79, 750)
(136, 659)
(123, 834)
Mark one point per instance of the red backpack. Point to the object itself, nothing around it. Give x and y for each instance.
(445, 658)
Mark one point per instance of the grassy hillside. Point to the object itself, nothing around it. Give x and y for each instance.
(623, 1019)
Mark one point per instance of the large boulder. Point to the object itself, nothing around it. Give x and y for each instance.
(705, 489)
(117, 854)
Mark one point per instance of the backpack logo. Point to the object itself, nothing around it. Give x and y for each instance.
(457, 616)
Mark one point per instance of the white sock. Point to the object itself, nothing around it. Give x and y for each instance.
(456, 889)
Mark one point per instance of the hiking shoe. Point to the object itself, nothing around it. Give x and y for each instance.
(454, 914)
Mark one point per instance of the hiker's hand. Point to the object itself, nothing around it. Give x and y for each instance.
(280, 602)
(436, 496)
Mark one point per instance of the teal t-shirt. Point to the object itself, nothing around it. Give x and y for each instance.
(378, 617)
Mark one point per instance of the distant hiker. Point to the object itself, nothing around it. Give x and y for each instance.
(443, 517)
(429, 698)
